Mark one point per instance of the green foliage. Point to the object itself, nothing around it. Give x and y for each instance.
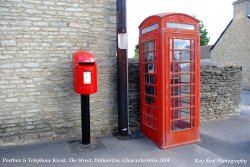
(136, 56)
(204, 39)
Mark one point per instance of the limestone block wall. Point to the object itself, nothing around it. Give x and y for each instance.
(37, 39)
(220, 93)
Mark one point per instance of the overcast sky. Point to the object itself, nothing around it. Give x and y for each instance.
(215, 14)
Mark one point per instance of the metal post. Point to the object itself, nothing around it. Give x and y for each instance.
(122, 69)
(85, 119)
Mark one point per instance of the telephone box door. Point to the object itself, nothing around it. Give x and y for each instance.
(183, 82)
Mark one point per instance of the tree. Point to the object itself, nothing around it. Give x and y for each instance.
(136, 51)
(204, 39)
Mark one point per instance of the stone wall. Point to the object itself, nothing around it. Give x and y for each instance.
(134, 95)
(37, 39)
(220, 92)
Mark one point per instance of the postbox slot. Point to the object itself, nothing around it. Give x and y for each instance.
(86, 63)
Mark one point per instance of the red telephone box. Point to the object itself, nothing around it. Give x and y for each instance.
(170, 79)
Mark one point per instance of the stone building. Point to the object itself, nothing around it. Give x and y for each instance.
(233, 46)
(37, 39)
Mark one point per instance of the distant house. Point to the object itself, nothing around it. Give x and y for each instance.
(205, 52)
(233, 46)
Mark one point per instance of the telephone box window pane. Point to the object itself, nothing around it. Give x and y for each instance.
(149, 46)
(181, 124)
(183, 78)
(181, 67)
(171, 43)
(182, 55)
(181, 44)
(149, 100)
(171, 55)
(180, 101)
(149, 68)
(187, 78)
(180, 113)
(192, 58)
(193, 122)
(149, 90)
(180, 26)
(149, 79)
(192, 44)
(182, 90)
(150, 122)
(150, 111)
(149, 57)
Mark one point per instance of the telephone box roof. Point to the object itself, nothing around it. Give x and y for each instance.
(167, 14)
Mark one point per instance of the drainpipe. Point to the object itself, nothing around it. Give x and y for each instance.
(122, 68)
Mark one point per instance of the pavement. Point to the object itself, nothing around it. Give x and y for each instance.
(224, 143)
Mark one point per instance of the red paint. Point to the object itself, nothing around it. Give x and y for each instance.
(84, 73)
(170, 79)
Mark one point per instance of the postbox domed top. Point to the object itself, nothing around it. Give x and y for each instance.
(83, 57)
(169, 14)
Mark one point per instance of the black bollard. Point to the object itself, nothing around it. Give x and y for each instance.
(85, 119)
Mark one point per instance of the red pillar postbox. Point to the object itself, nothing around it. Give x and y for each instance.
(170, 79)
(84, 73)
(85, 83)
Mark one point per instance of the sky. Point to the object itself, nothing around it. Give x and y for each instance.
(215, 14)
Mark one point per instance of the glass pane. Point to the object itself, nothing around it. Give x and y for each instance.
(149, 68)
(149, 79)
(149, 57)
(180, 26)
(181, 44)
(192, 58)
(181, 67)
(182, 90)
(182, 78)
(149, 100)
(149, 90)
(180, 102)
(193, 122)
(171, 43)
(192, 44)
(171, 55)
(181, 124)
(187, 78)
(180, 113)
(149, 46)
(149, 110)
(150, 122)
(182, 55)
